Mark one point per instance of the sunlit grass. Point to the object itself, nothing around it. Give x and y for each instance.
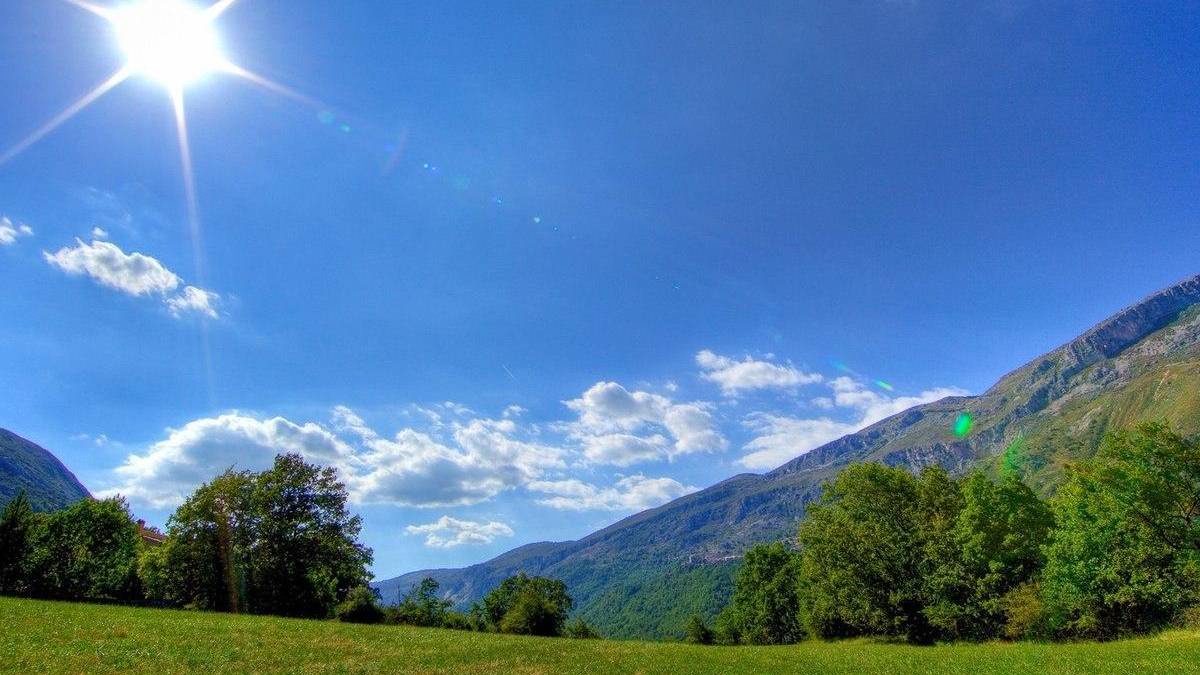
(66, 637)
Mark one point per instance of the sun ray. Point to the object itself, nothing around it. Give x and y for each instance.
(269, 85)
(189, 179)
(72, 110)
(99, 11)
(218, 8)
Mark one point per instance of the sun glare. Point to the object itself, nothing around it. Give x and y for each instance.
(170, 41)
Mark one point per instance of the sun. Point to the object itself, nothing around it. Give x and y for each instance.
(170, 41)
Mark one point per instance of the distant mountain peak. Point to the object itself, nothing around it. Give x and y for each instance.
(25, 465)
(1142, 362)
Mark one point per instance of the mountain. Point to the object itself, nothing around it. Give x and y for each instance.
(24, 465)
(642, 576)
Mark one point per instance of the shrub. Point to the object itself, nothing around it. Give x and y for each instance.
(360, 606)
(697, 632)
(580, 630)
(1025, 615)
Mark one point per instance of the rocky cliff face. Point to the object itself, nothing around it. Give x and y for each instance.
(1064, 399)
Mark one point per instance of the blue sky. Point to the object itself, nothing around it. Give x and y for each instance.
(521, 269)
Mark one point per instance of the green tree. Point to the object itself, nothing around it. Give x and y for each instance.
(276, 542)
(209, 538)
(305, 554)
(1125, 556)
(868, 547)
(17, 525)
(526, 605)
(765, 606)
(581, 630)
(87, 551)
(360, 606)
(422, 606)
(697, 632)
(995, 547)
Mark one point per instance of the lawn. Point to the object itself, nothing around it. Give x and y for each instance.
(40, 636)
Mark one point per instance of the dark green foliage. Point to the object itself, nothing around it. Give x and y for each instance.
(210, 538)
(1125, 556)
(277, 542)
(697, 631)
(581, 630)
(86, 551)
(29, 468)
(765, 608)
(17, 525)
(922, 558)
(421, 606)
(526, 605)
(995, 547)
(865, 551)
(360, 606)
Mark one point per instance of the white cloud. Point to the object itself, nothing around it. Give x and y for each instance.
(193, 299)
(781, 438)
(193, 454)
(447, 532)
(134, 274)
(749, 374)
(10, 232)
(99, 233)
(632, 493)
(411, 468)
(610, 417)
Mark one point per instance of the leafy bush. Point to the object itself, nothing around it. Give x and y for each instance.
(1025, 614)
(86, 551)
(17, 525)
(421, 606)
(765, 607)
(360, 606)
(697, 632)
(525, 605)
(1125, 557)
(580, 630)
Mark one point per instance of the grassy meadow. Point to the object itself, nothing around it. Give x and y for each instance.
(42, 636)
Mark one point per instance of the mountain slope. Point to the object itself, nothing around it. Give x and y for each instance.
(24, 465)
(641, 576)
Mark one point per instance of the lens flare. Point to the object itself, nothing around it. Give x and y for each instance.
(963, 424)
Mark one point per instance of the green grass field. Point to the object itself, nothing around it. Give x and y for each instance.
(40, 636)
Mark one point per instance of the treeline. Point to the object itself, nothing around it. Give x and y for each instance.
(280, 541)
(520, 605)
(928, 558)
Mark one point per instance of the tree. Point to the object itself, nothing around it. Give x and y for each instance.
(17, 524)
(276, 542)
(865, 551)
(526, 605)
(210, 537)
(765, 607)
(697, 632)
(581, 630)
(304, 557)
(360, 606)
(87, 551)
(995, 547)
(1125, 557)
(422, 606)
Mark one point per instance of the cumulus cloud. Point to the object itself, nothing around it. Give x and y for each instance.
(193, 300)
(10, 232)
(483, 458)
(748, 374)
(99, 233)
(192, 454)
(621, 427)
(631, 493)
(447, 532)
(134, 274)
(780, 438)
